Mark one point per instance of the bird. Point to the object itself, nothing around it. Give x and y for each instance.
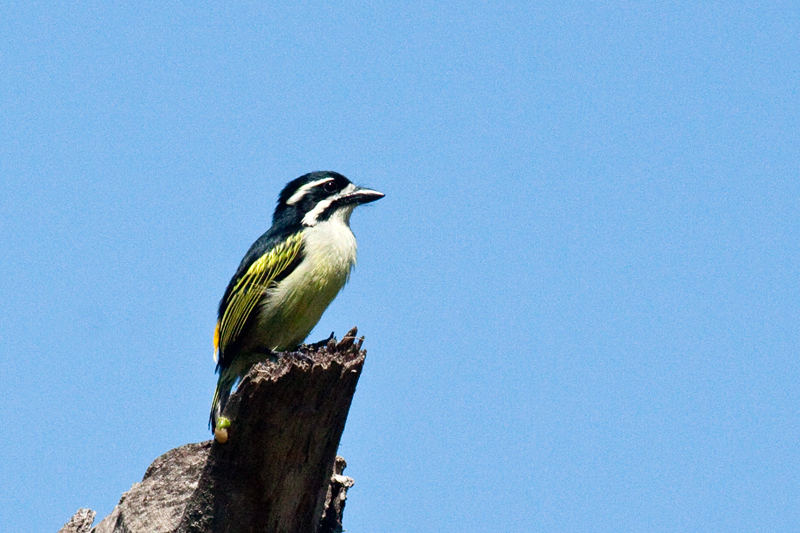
(286, 280)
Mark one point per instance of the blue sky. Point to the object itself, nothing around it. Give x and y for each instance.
(580, 294)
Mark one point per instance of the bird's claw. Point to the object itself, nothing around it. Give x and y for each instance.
(323, 343)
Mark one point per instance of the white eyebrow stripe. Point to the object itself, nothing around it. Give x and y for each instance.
(299, 193)
(311, 217)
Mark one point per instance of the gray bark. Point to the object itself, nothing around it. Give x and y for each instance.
(81, 522)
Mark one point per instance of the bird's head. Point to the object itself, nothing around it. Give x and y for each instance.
(318, 196)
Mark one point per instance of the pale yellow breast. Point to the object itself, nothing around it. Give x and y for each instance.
(294, 307)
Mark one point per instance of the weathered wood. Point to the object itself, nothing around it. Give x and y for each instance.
(277, 467)
(336, 498)
(157, 503)
(81, 522)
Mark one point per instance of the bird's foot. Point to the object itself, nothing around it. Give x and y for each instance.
(268, 355)
(322, 343)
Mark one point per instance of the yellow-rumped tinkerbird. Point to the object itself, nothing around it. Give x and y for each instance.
(287, 278)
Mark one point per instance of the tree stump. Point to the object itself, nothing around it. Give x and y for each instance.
(278, 470)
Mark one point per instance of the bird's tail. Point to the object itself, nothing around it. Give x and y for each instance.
(221, 394)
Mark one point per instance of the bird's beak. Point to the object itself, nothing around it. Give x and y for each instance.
(364, 196)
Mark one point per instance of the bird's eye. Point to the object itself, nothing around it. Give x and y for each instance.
(329, 186)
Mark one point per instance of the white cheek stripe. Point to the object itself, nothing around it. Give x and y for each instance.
(311, 217)
(299, 193)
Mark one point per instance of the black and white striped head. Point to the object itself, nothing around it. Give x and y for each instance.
(318, 196)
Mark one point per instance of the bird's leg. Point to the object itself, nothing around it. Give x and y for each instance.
(273, 356)
(266, 354)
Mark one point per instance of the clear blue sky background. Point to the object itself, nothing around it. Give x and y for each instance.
(580, 294)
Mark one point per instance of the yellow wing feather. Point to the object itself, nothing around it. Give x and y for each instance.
(251, 287)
